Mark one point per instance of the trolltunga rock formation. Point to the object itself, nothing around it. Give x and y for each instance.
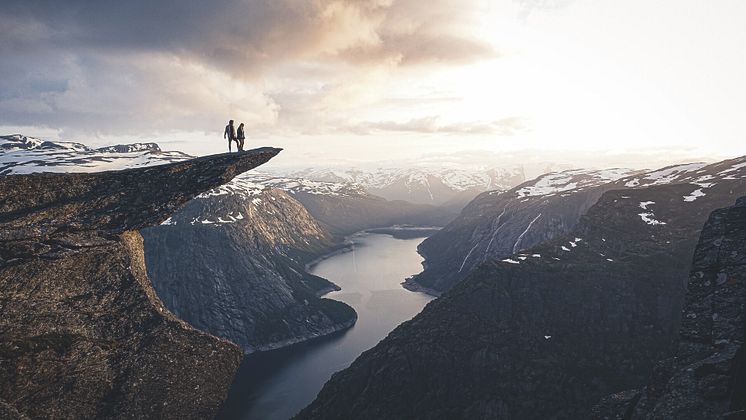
(82, 333)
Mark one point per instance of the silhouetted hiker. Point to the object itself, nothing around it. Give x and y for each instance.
(241, 137)
(230, 134)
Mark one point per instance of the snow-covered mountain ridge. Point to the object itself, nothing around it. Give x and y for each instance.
(567, 182)
(419, 184)
(457, 179)
(24, 155)
(496, 225)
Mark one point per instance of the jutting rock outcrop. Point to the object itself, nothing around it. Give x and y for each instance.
(82, 332)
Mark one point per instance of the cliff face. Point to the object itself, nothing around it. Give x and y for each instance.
(498, 224)
(707, 378)
(232, 263)
(83, 333)
(548, 331)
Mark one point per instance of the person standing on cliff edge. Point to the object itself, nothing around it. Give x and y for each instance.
(230, 134)
(240, 137)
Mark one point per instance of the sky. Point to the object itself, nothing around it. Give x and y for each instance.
(359, 82)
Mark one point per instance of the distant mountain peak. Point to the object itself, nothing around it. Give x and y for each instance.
(24, 154)
(21, 142)
(425, 185)
(129, 148)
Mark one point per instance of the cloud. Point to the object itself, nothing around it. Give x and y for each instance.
(502, 127)
(415, 48)
(126, 95)
(141, 65)
(529, 6)
(242, 37)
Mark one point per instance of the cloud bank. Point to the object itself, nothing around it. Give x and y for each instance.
(156, 66)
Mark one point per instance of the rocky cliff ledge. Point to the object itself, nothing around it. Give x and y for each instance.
(707, 378)
(82, 333)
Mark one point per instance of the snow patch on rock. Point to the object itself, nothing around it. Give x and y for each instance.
(650, 219)
(694, 195)
(671, 173)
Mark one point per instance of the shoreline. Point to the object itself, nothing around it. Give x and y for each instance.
(406, 231)
(342, 326)
(412, 285)
(345, 246)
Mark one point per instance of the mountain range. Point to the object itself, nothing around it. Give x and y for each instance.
(549, 330)
(448, 187)
(497, 224)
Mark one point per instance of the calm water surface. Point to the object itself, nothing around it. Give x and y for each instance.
(278, 384)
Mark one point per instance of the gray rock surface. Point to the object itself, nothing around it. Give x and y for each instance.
(497, 224)
(707, 378)
(82, 332)
(234, 265)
